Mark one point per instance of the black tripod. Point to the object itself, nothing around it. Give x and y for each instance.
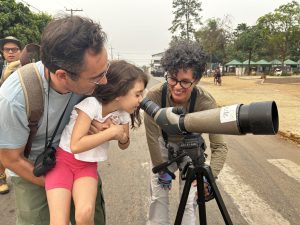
(195, 170)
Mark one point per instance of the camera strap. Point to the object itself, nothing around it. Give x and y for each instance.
(164, 103)
(48, 144)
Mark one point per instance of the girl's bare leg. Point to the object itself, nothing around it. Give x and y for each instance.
(59, 200)
(84, 196)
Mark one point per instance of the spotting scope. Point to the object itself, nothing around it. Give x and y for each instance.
(256, 118)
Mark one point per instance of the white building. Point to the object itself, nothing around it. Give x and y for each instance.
(156, 68)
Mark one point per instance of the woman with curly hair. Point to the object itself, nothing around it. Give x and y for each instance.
(184, 63)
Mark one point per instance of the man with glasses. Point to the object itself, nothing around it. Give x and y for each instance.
(184, 63)
(11, 51)
(73, 61)
(11, 48)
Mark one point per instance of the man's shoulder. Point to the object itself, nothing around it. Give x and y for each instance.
(12, 89)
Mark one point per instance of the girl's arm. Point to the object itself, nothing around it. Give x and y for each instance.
(81, 141)
(125, 140)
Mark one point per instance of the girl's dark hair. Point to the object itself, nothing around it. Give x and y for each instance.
(65, 40)
(121, 77)
(184, 54)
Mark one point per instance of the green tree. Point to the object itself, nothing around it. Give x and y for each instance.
(17, 20)
(214, 36)
(281, 29)
(186, 17)
(247, 40)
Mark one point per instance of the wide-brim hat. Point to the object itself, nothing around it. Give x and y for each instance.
(8, 39)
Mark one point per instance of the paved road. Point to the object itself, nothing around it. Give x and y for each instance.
(259, 183)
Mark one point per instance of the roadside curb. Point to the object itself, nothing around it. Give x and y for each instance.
(290, 136)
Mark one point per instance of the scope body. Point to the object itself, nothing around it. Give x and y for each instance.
(259, 118)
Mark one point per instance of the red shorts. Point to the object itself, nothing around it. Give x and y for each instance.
(67, 170)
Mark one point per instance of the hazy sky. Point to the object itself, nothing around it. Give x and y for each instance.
(137, 29)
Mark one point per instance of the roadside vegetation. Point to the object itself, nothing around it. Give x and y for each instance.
(274, 36)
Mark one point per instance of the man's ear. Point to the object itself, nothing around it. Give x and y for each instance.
(61, 74)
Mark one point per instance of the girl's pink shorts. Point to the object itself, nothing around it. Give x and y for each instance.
(67, 170)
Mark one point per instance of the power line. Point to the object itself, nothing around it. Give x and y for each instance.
(31, 6)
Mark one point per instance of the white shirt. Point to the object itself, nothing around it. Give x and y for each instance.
(93, 109)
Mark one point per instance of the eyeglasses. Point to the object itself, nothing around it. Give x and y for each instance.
(101, 76)
(13, 50)
(172, 81)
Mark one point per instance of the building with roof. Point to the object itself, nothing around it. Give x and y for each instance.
(156, 68)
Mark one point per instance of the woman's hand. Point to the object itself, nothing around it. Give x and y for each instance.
(118, 130)
(97, 127)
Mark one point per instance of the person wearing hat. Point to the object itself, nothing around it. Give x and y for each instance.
(11, 50)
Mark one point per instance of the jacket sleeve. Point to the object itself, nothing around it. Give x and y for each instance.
(152, 135)
(153, 132)
(218, 153)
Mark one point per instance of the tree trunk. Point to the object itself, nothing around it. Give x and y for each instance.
(250, 55)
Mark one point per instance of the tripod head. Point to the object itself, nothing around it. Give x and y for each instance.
(192, 145)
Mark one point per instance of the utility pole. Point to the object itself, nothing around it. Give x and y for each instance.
(74, 10)
(111, 53)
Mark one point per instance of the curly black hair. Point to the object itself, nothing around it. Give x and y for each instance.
(185, 55)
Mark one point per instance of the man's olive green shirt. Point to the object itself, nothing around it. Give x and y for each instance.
(204, 101)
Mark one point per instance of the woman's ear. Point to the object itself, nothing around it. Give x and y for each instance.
(196, 81)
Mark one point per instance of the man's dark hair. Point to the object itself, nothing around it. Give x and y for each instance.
(185, 55)
(65, 41)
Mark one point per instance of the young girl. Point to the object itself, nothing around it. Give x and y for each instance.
(114, 105)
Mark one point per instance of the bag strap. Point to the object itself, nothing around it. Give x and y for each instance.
(32, 86)
(48, 144)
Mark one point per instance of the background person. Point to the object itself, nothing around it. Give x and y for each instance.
(115, 105)
(74, 58)
(11, 51)
(217, 76)
(184, 62)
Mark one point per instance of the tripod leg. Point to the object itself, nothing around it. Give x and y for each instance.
(208, 174)
(185, 193)
(201, 198)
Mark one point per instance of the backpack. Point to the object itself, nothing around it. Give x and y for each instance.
(32, 86)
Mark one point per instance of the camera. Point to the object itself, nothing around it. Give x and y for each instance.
(193, 145)
(256, 118)
(44, 162)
